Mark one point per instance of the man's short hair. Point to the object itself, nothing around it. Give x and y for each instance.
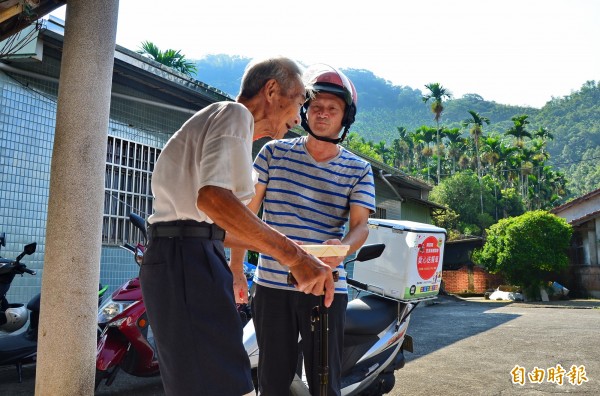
(285, 71)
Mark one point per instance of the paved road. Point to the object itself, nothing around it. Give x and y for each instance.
(470, 348)
(461, 348)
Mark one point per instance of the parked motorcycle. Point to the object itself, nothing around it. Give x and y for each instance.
(126, 341)
(17, 348)
(20, 348)
(375, 339)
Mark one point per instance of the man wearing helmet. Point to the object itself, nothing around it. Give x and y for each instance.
(310, 187)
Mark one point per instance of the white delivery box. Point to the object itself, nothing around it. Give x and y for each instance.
(410, 267)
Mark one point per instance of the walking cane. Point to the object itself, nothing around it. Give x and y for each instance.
(320, 314)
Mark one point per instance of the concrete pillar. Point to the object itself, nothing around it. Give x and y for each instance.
(597, 240)
(69, 304)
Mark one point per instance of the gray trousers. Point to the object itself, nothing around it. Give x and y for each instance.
(188, 292)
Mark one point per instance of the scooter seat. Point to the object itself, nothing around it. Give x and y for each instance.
(34, 303)
(369, 314)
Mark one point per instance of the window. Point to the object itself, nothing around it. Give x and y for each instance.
(127, 184)
(380, 213)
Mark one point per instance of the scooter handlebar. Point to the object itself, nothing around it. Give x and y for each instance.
(31, 272)
(358, 284)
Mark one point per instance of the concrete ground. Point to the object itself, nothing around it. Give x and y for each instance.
(470, 347)
(462, 347)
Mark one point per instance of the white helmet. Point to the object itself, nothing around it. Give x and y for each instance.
(16, 317)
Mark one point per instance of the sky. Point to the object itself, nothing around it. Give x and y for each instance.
(517, 52)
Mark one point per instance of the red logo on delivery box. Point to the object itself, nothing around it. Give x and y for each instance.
(428, 257)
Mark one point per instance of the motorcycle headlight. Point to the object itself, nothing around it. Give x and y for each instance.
(112, 308)
(139, 255)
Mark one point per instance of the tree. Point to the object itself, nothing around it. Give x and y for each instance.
(170, 57)
(476, 131)
(437, 94)
(518, 129)
(424, 137)
(402, 149)
(511, 203)
(458, 192)
(526, 249)
(456, 145)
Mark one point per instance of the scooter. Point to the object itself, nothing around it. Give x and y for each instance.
(20, 348)
(375, 339)
(126, 341)
(17, 348)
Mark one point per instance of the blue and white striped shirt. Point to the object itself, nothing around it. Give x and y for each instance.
(309, 201)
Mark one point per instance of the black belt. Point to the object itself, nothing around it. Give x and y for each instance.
(186, 230)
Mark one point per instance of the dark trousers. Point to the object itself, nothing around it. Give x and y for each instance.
(279, 316)
(188, 291)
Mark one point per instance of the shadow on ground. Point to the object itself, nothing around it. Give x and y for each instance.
(443, 323)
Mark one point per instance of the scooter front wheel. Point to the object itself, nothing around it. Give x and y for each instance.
(100, 376)
(107, 376)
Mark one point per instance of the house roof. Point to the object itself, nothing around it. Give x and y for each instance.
(576, 201)
(16, 15)
(585, 218)
(162, 84)
(581, 209)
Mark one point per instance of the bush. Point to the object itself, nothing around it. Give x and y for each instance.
(526, 249)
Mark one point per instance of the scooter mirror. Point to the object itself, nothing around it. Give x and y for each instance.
(369, 252)
(139, 223)
(30, 248)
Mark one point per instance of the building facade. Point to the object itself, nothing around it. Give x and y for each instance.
(583, 214)
(149, 103)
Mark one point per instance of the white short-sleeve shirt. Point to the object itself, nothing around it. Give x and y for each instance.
(213, 147)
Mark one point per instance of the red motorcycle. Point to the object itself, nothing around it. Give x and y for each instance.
(125, 339)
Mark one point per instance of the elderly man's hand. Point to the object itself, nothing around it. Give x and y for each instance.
(314, 277)
(240, 287)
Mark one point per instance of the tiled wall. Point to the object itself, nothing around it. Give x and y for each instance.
(27, 121)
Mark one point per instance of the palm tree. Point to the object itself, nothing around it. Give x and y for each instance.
(383, 151)
(476, 121)
(491, 152)
(437, 94)
(170, 57)
(476, 131)
(402, 148)
(543, 134)
(456, 145)
(425, 137)
(518, 129)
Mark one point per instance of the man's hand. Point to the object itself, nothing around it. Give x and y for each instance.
(240, 288)
(314, 277)
(333, 261)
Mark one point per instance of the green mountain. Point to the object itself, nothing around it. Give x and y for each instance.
(574, 120)
(383, 107)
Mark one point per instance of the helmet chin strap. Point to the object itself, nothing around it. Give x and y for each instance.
(324, 139)
(339, 140)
